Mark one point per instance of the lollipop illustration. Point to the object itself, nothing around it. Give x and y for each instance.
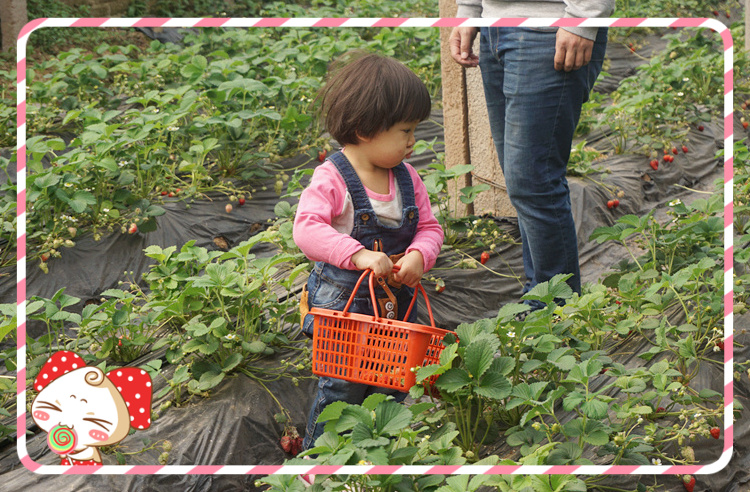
(62, 439)
(81, 408)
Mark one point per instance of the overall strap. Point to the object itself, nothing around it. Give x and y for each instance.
(356, 189)
(405, 185)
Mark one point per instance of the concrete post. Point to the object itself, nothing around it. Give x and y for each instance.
(468, 139)
(14, 17)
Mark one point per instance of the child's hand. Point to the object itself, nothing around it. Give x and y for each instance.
(411, 269)
(376, 261)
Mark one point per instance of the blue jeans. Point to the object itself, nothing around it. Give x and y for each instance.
(331, 390)
(330, 288)
(533, 112)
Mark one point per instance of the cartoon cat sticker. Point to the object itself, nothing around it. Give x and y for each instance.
(82, 409)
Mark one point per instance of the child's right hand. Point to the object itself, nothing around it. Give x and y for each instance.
(380, 264)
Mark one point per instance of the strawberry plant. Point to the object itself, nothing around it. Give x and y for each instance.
(381, 432)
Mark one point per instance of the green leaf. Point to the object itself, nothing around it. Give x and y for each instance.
(564, 454)
(256, 347)
(479, 355)
(558, 358)
(45, 180)
(706, 394)
(453, 380)
(572, 400)
(547, 292)
(503, 365)
(332, 411)
(595, 409)
(351, 416)
(231, 362)
(494, 386)
(209, 380)
(391, 417)
(373, 400)
(361, 432)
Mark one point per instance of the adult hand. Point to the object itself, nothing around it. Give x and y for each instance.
(460, 43)
(411, 269)
(380, 264)
(572, 51)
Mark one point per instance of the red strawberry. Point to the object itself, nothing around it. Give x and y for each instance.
(700, 128)
(163, 193)
(45, 256)
(604, 369)
(440, 288)
(684, 149)
(720, 344)
(715, 12)
(689, 482)
(485, 256)
(654, 164)
(728, 14)
(744, 124)
(715, 432)
(286, 443)
(671, 158)
(660, 410)
(241, 201)
(666, 157)
(674, 150)
(615, 203)
(170, 194)
(296, 446)
(177, 190)
(610, 204)
(322, 155)
(133, 228)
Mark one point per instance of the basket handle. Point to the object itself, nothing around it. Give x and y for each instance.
(418, 288)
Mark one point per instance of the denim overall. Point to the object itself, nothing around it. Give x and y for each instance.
(330, 287)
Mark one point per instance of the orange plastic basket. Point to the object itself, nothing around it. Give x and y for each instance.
(372, 350)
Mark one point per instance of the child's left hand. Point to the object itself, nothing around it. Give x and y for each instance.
(411, 269)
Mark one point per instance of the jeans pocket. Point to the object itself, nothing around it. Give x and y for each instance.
(328, 296)
(307, 325)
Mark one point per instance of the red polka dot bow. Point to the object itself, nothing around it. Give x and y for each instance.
(135, 387)
(60, 363)
(132, 383)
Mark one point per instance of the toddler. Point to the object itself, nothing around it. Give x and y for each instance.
(365, 207)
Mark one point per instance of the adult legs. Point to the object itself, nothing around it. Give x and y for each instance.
(533, 111)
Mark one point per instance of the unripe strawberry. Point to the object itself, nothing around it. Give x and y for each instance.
(228, 208)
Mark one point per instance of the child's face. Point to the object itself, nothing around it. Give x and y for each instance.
(388, 148)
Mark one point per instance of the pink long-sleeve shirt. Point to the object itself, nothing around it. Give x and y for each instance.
(325, 218)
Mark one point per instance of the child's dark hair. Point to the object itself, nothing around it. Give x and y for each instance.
(368, 93)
